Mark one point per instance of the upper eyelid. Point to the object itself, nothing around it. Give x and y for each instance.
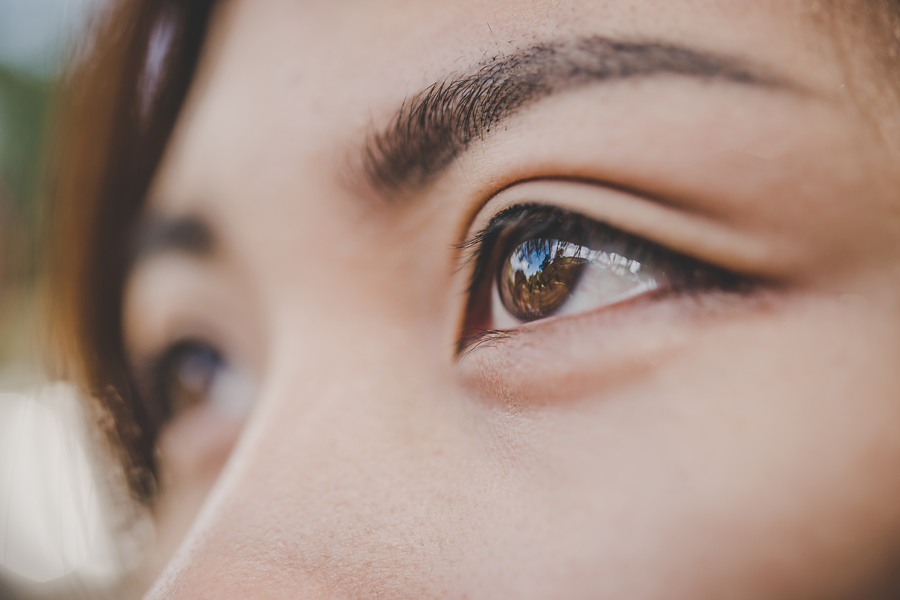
(546, 197)
(707, 238)
(475, 246)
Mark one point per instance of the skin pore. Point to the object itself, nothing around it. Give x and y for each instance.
(312, 241)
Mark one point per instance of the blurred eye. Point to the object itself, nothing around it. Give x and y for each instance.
(535, 261)
(192, 373)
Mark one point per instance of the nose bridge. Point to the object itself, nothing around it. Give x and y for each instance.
(336, 477)
(350, 366)
(349, 472)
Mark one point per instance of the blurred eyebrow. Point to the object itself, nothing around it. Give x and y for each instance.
(157, 234)
(434, 126)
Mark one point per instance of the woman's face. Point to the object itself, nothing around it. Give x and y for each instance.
(484, 299)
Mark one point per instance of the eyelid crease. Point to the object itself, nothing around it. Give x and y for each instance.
(706, 238)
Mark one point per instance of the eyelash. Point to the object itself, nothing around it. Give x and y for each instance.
(524, 222)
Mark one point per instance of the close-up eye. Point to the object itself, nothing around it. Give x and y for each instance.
(534, 261)
(193, 373)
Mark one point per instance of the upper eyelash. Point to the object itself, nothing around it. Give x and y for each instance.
(483, 244)
(476, 247)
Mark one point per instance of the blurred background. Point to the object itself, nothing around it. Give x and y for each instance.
(57, 535)
(36, 36)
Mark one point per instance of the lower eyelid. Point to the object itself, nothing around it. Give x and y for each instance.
(622, 341)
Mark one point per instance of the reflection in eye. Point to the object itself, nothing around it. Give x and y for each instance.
(541, 261)
(540, 276)
(191, 373)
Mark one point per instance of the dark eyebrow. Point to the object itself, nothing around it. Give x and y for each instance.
(434, 126)
(186, 235)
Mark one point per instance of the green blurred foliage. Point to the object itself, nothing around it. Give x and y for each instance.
(24, 104)
(24, 100)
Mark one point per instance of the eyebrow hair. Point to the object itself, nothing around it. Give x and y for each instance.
(157, 234)
(434, 126)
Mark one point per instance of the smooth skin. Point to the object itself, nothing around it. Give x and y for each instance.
(676, 446)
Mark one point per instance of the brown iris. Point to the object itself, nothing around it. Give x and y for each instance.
(539, 276)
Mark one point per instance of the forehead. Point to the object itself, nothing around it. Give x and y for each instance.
(305, 80)
(288, 93)
(327, 70)
(348, 37)
(286, 89)
(428, 34)
(381, 51)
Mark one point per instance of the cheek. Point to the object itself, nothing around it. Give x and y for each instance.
(194, 447)
(758, 455)
(764, 450)
(191, 452)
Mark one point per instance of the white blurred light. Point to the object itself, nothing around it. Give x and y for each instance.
(52, 520)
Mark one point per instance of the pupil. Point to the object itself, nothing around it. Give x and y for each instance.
(539, 276)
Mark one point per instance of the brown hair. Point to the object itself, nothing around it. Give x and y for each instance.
(122, 102)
